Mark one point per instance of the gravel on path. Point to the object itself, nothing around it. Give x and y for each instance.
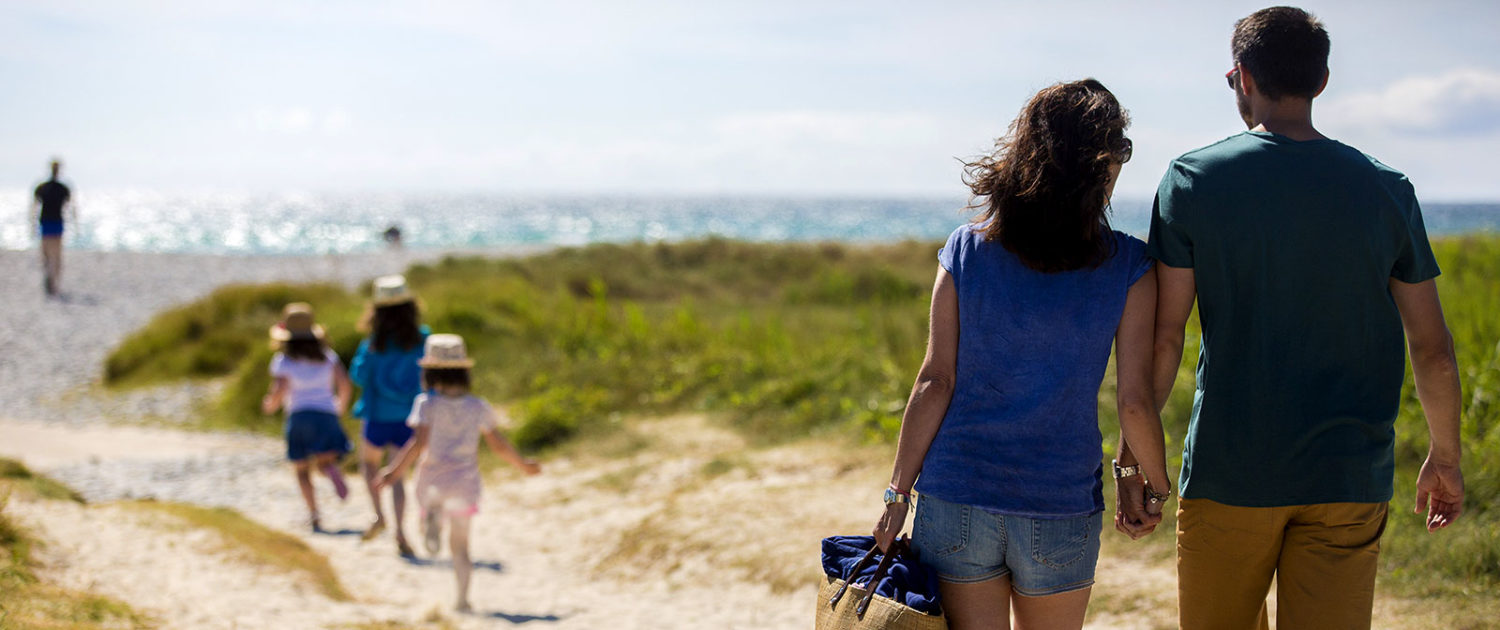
(52, 350)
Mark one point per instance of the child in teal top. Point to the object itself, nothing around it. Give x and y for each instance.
(385, 368)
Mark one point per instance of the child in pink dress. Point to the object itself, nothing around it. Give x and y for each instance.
(449, 421)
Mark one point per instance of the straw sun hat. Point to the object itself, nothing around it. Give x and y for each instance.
(445, 351)
(391, 290)
(296, 323)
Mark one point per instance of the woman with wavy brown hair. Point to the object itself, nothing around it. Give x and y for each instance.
(1001, 435)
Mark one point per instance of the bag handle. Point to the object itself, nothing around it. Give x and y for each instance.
(897, 547)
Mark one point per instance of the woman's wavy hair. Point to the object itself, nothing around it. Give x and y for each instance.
(394, 324)
(1041, 193)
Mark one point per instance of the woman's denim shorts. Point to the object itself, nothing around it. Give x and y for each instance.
(966, 544)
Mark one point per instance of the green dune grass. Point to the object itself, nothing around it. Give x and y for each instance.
(20, 478)
(256, 543)
(26, 600)
(780, 341)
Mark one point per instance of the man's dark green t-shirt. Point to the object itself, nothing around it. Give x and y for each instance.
(1292, 246)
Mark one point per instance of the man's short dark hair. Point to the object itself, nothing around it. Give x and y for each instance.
(1285, 49)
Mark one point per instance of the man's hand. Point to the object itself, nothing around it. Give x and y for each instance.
(1131, 516)
(1440, 491)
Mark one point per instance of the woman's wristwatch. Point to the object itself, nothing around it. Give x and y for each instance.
(892, 495)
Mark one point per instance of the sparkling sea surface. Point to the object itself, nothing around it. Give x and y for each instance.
(263, 224)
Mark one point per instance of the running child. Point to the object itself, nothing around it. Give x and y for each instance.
(310, 383)
(385, 367)
(449, 422)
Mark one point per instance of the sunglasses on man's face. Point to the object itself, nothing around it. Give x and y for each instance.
(1231, 76)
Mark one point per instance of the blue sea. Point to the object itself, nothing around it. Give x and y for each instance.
(250, 224)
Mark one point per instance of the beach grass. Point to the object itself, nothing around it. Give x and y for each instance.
(256, 543)
(782, 340)
(27, 600)
(787, 341)
(19, 478)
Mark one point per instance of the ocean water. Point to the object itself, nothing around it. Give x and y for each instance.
(307, 223)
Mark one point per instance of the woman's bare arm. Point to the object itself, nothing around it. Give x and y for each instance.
(928, 404)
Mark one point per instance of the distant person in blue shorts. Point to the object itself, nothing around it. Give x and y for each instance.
(52, 197)
(1308, 260)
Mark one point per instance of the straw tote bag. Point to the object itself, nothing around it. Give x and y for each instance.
(857, 606)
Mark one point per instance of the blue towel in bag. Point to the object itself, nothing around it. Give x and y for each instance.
(907, 581)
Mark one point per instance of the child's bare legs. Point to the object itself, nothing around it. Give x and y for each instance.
(303, 468)
(370, 459)
(398, 500)
(328, 463)
(458, 543)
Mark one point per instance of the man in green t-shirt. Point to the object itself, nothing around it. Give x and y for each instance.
(1308, 260)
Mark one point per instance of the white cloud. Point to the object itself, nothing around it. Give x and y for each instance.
(799, 126)
(292, 121)
(1458, 102)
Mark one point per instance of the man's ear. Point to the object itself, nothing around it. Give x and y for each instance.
(1321, 86)
(1247, 82)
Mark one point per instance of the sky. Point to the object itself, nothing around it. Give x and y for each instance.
(760, 97)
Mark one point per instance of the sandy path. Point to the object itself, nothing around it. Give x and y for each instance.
(638, 541)
(537, 544)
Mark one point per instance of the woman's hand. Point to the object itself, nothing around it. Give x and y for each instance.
(1133, 516)
(890, 524)
(530, 467)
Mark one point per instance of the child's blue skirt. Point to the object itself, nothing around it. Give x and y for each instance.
(311, 433)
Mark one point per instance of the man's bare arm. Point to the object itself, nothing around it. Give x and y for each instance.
(1440, 485)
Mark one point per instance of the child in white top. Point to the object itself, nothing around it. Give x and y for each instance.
(308, 380)
(449, 421)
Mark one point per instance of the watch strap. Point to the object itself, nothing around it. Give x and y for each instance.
(892, 495)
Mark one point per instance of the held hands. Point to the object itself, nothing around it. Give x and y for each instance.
(1440, 491)
(530, 467)
(1135, 516)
